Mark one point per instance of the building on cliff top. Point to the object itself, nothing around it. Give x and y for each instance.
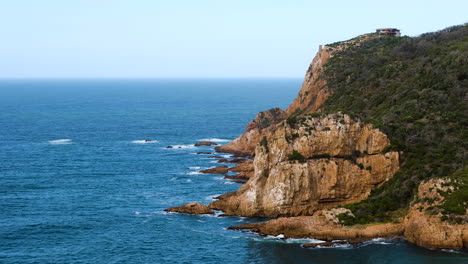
(388, 31)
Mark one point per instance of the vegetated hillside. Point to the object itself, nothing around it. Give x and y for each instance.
(415, 91)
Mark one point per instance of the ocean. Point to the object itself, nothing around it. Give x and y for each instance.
(79, 183)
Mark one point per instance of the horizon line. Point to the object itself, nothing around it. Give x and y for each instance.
(150, 78)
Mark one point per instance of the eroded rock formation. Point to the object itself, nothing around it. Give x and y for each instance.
(344, 160)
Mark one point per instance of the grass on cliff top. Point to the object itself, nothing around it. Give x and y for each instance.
(415, 91)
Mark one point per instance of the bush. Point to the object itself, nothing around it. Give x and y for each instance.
(296, 156)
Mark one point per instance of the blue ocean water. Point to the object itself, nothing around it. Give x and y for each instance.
(78, 184)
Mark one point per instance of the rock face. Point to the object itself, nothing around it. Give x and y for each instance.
(191, 208)
(343, 161)
(424, 227)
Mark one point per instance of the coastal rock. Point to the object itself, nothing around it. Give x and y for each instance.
(215, 157)
(191, 208)
(320, 228)
(343, 161)
(205, 143)
(245, 169)
(204, 153)
(169, 147)
(216, 170)
(423, 225)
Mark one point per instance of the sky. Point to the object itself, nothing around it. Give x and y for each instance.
(195, 38)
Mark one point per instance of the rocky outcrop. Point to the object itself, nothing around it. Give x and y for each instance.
(343, 160)
(191, 208)
(205, 143)
(320, 228)
(423, 224)
(216, 170)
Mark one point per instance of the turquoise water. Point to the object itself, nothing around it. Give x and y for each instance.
(77, 185)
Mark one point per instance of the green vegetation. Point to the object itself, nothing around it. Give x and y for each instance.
(264, 144)
(415, 91)
(297, 156)
(456, 201)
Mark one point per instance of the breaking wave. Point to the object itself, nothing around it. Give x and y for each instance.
(215, 140)
(144, 141)
(60, 141)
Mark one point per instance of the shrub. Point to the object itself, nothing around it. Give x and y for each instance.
(296, 156)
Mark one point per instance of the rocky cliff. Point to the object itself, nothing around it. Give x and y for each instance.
(342, 161)
(407, 98)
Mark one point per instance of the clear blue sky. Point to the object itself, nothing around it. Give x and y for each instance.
(194, 38)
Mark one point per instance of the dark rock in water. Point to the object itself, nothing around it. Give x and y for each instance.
(243, 227)
(205, 143)
(216, 170)
(215, 157)
(223, 161)
(204, 153)
(191, 208)
(169, 147)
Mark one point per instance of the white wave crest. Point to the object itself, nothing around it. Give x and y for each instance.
(144, 141)
(60, 141)
(192, 173)
(194, 168)
(214, 139)
(181, 146)
(212, 197)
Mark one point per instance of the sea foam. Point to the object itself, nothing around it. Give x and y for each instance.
(215, 140)
(60, 141)
(144, 141)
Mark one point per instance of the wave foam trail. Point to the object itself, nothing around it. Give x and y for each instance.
(212, 197)
(60, 141)
(192, 173)
(181, 146)
(215, 140)
(144, 141)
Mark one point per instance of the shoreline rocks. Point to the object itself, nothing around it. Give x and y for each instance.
(216, 170)
(205, 143)
(191, 208)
